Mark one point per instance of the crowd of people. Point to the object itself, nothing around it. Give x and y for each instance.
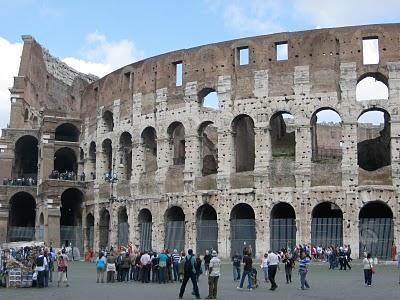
(24, 181)
(72, 176)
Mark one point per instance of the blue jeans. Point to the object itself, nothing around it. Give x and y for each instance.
(236, 273)
(303, 280)
(162, 274)
(175, 267)
(265, 270)
(245, 273)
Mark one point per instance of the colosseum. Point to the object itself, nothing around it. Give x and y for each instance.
(217, 146)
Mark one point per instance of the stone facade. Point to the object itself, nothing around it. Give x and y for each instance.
(171, 154)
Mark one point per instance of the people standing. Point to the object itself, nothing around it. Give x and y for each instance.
(189, 273)
(264, 267)
(273, 261)
(40, 268)
(100, 267)
(145, 261)
(368, 266)
(175, 264)
(236, 260)
(111, 267)
(61, 269)
(199, 269)
(207, 259)
(213, 275)
(46, 268)
(162, 264)
(303, 270)
(126, 262)
(247, 269)
(289, 265)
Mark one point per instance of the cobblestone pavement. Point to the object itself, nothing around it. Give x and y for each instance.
(325, 284)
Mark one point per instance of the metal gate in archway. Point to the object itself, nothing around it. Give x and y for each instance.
(326, 232)
(175, 235)
(376, 237)
(21, 233)
(123, 234)
(72, 235)
(90, 236)
(243, 234)
(207, 235)
(282, 234)
(145, 232)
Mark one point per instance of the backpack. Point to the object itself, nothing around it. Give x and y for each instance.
(61, 264)
(100, 264)
(40, 261)
(188, 268)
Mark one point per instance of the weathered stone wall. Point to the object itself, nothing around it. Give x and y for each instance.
(322, 71)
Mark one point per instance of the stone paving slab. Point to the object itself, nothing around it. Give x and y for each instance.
(325, 285)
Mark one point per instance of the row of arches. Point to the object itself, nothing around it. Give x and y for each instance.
(376, 229)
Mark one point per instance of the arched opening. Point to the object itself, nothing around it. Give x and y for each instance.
(21, 217)
(282, 227)
(207, 229)
(90, 230)
(243, 229)
(91, 164)
(175, 228)
(376, 229)
(208, 98)
(145, 229)
(65, 161)
(326, 133)
(243, 135)
(149, 140)
(327, 225)
(176, 133)
(104, 228)
(71, 219)
(26, 115)
(373, 140)
(123, 227)
(208, 148)
(107, 156)
(283, 138)
(372, 86)
(108, 121)
(26, 157)
(125, 154)
(67, 132)
(41, 227)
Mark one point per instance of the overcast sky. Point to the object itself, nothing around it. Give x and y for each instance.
(100, 36)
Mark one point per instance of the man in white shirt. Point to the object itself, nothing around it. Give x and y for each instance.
(41, 264)
(214, 273)
(145, 261)
(273, 261)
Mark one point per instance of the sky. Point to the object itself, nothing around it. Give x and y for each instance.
(100, 36)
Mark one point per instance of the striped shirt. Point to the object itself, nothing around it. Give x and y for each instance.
(303, 265)
(176, 257)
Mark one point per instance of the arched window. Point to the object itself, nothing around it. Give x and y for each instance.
(243, 229)
(243, 134)
(65, 160)
(21, 218)
(176, 133)
(71, 218)
(282, 227)
(67, 132)
(26, 115)
(107, 155)
(125, 153)
(207, 229)
(149, 140)
(283, 140)
(145, 229)
(208, 98)
(108, 121)
(208, 148)
(123, 227)
(26, 157)
(175, 228)
(327, 225)
(372, 86)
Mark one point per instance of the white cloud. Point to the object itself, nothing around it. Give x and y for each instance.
(10, 55)
(344, 12)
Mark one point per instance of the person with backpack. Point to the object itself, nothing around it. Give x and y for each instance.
(101, 267)
(189, 273)
(61, 269)
(41, 263)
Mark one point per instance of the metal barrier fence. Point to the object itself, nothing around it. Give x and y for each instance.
(72, 235)
(90, 236)
(175, 235)
(103, 236)
(243, 234)
(376, 237)
(146, 231)
(327, 231)
(207, 235)
(41, 233)
(16, 234)
(123, 233)
(282, 233)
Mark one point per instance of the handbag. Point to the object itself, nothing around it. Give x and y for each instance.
(371, 268)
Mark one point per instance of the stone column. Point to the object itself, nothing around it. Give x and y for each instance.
(3, 224)
(226, 159)
(53, 226)
(262, 157)
(192, 162)
(224, 237)
(349, 156)
(303, 156)
(164, 159)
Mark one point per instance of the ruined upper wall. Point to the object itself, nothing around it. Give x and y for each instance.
(323, 50)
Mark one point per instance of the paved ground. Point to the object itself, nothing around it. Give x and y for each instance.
(325, 284)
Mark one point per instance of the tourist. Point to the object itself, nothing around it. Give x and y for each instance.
(189, 273)
(303, 270)
(111, 259)
(66, 259)
(100, 267)
(46, 268)
(51, 256)
(41, 263)
(264, 267)
(368, 266)
(126, 262)
(61, 269)
(162, 264)
(247, 269)
(145, 262)
(213, 275)
(236, 259)
(273, 261)
(207, 259)
(199, 269)
(289, 265)
(132, 258)
(169, 266)
(181, 266)
(118, 264)
(154, 268)
(175, 264)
